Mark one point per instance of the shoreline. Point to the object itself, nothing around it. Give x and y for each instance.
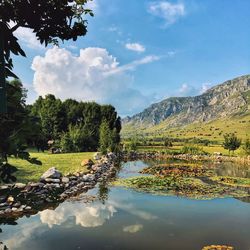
(18, 199)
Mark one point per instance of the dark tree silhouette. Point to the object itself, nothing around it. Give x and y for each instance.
(50, 20)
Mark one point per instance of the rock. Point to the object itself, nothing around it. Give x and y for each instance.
(17, 204)
(65, 180)
(96, 168)
(88, 177)
(97, 156)
(27, 208)
(51, 173)
(87, 162)
(10, 200)
(14, 209)
(8, 210)
(50, 180)
(4, 187)
(20, 185)
(36, 184)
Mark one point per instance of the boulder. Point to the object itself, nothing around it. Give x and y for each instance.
(97, 156)
(51, 173)
(88, 177)
(51, 180)
(65, 180)
(87, 162)
(20, 185)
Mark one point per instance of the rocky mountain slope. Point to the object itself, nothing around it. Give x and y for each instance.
(229, 99)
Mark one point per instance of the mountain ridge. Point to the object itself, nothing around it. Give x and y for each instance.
(227, 99)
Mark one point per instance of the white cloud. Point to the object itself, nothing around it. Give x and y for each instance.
(168, 11)
(93, 215)
(133, 228)
(205, 87)
(27, 37)
(135, 47)
(189, 90)
(186, 89)
(94, 75)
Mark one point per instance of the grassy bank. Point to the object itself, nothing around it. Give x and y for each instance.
(66, 163)
(211, 149)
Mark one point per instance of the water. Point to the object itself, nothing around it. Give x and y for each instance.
(126, 219)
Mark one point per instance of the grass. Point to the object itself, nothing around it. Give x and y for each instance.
(66, 163)
(212, 131)
(232, 181)
(211, 149)
(187, 187)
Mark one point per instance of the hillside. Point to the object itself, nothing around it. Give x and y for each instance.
(224, 108)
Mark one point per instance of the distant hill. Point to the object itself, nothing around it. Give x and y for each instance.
(224, 103)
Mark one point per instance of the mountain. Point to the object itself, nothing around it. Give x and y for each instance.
(225, 101)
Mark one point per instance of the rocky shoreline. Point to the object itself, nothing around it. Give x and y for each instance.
(21, 199)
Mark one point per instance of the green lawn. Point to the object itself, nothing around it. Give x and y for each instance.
(66, 163)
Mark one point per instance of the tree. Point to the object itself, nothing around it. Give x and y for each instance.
(231, 142)
(105, 137)
(51, 21)
(15, 127)
(52, 115)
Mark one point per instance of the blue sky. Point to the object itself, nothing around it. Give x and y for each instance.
(137, 52)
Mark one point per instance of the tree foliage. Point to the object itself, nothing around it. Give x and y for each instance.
(231, 142)
(75, 124)
(15, 128)
(50, 21)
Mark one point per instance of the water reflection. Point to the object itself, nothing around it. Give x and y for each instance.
(124, 219)
(92, 215)
(133, 228)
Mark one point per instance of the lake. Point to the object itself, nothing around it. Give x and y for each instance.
(122, 218)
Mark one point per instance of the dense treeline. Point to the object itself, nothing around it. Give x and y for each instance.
(72, 126)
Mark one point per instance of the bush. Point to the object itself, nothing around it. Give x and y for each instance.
(192, 149)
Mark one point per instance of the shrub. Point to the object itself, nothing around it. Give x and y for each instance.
(192, 149)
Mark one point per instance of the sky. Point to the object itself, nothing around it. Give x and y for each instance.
(138, 52)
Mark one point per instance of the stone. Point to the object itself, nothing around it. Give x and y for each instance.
(97, 156)
(14, 209)
(51, 173)
(10, 200)
(65, 180)
(27, 208)
(50, 180)
(17, 204)
(87, 162)
(20, 185)
(4, 187)
(8, 210)
(88, 177)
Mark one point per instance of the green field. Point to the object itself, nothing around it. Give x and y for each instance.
(176, 149)
(212, 131)
(66, 163)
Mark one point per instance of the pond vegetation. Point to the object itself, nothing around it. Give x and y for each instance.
(191, 180)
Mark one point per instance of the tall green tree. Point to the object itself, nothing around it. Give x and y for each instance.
(15, 128)
(52, 115)
(50, 21)
(231, 142)
(105, 137)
